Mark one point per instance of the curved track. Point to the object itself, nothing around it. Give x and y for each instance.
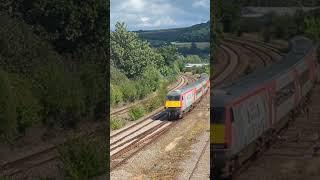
(127, 142)
(266, 54)
(16, 167)
(236, 64)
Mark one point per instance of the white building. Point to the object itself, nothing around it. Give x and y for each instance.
(190, 65)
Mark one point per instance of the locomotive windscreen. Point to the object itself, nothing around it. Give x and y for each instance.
(173, 98)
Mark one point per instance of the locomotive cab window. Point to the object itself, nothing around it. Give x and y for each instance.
(173, 98)
(218, 115)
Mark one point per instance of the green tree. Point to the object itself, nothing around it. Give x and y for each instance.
(169, 53)
(312, 27)
(193, 59)
(68, 24)
(230, 15)
(130, 54)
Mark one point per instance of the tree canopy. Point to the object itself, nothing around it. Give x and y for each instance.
(130, 54)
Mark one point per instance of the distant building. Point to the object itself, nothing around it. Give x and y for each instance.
(190, 65)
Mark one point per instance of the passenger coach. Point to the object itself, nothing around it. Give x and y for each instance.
(247, 114)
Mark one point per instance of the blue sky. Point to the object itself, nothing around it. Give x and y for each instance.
(159, 14)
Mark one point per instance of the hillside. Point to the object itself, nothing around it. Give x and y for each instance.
(195, 33)
(277, 3)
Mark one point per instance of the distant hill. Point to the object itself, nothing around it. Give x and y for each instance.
(278, 3)
(195, 33)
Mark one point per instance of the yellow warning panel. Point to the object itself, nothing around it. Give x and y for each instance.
(217, 133)
(170, 104)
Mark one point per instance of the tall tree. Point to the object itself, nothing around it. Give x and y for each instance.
(130, 54)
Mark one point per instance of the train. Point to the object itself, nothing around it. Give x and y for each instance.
(182, 100)
(245, 115)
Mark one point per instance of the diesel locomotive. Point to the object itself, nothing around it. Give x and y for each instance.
(179, 101)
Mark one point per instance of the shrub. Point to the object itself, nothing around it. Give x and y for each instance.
(82, 158)
(28, 107)
(136, 112)
(61, 94)
(153, 104)
(116, 123)
(129, 91)
(115, 94)
(93, 82)
(151, 78)
(8, 115)
(148, 82)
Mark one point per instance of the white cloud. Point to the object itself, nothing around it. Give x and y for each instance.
(151, 14)
(133, 4)
(144, 19)
(201, 3)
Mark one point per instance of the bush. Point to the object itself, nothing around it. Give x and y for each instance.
(148, 82)
(83, 157)
(136, 112)
(115, 95)
(116, 123)
(28, 107)
(129, 91)
(153, 104)
(61, 94)
(94, 86)
(8, 115)
(21, 50)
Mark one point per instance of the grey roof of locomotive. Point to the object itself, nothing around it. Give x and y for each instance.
(299, 47)
(189, 86)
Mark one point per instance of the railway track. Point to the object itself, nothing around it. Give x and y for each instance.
(231, 72)
(261, 50)
(235, 46)
(136, 143)
(296, 141)
(265, 54)
(17, 167)
(129, 141)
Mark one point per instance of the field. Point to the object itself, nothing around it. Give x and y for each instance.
(200, 45)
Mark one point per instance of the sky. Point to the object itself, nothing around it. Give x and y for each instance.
(158, 14)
